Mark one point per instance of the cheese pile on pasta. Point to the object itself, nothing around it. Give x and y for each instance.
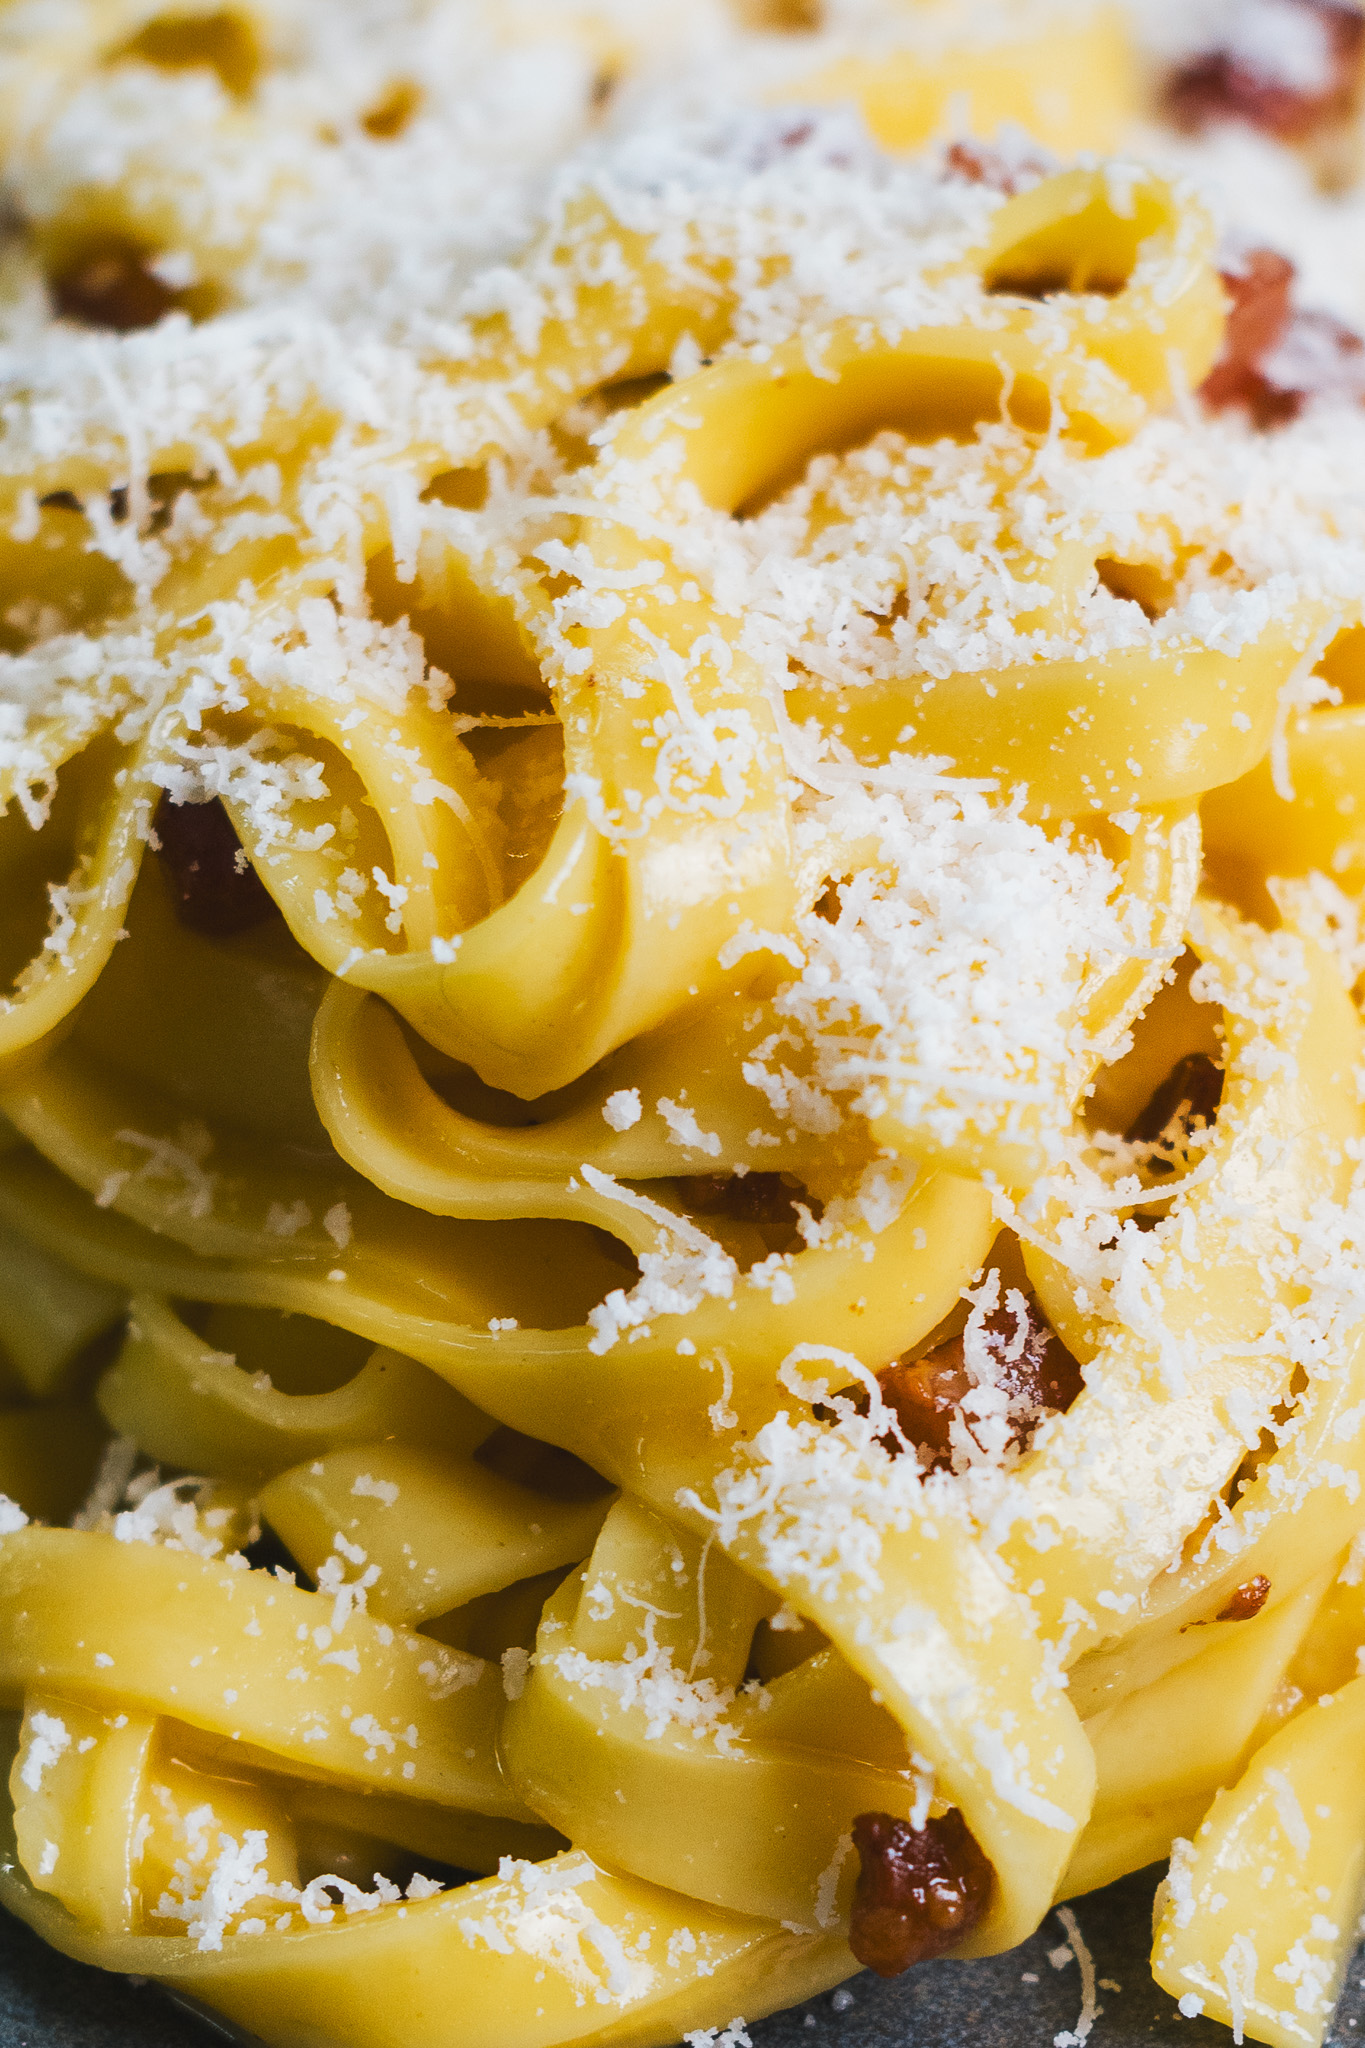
(682, 1235)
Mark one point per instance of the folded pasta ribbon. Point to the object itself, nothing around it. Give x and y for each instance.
(1068, 84)
(1198, 1360)
(522, 1953)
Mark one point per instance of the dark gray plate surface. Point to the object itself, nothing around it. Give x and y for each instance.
(1015, 2001)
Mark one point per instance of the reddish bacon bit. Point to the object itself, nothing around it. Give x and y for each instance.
(540, 1467)
(1187, 1100)
(1240, 83)
(1257, 317)
(112, 289)
(216, 891)
(1248, 1599)
(920, 1890)
(1276, 357)
(926, 1397)
(973, 164)
(785, 133)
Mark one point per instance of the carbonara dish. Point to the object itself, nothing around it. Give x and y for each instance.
(682, 1159)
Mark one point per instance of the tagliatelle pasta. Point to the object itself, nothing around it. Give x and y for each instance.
(682, 1295)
